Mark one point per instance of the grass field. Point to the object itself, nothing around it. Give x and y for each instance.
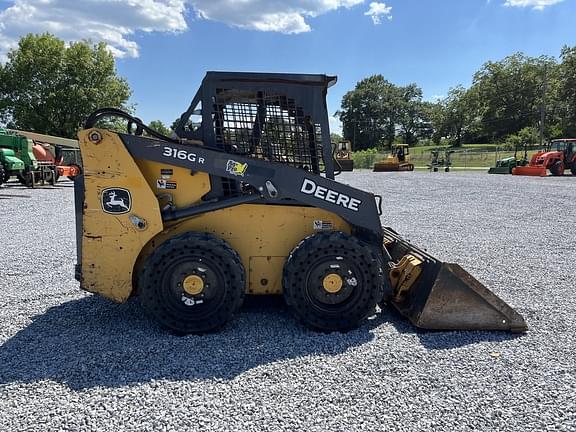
(468, 156)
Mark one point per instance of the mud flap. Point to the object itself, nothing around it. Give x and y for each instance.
(446, 297)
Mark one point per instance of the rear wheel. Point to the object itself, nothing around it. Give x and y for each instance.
(192, 283)
(3, 173)
(557, 168)
(333, 281)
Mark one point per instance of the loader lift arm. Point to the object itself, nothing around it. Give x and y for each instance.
(271, 182)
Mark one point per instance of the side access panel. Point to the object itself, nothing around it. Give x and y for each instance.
(120, 214)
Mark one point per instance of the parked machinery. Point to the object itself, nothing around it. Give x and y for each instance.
(69, 162)
(63, 153)
(397, 160)
(343, 156)
(438, 160)
(506, 165)
(559, 156)
(246, 203)
(31, 170)
(10, 164)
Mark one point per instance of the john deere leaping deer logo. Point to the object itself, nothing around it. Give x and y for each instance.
(236, 168)
(116, 201)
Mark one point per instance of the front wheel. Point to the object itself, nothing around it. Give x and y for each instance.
(557, 168)
(333, 281)
(192, 283)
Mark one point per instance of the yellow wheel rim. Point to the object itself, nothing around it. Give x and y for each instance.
(332, 283)
(193, 285)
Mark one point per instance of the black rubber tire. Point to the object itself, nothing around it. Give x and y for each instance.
(3, 173)
(29, 179)
(160, 284)
(557, 168)
(573, 168)
(360, 268)
(50, 177)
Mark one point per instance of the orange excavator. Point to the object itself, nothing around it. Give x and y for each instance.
(558, 157)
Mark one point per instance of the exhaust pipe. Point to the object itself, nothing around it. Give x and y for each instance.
(443, 296)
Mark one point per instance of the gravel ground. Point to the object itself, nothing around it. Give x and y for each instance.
(73, 361)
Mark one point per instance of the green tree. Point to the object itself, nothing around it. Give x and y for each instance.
(335, 138)
(508, 94)
(370, 112)
(456, 116)
(410, 112)
(51, 88)
(525, 137)
(174, 124)
(159, 127)
(564, 110)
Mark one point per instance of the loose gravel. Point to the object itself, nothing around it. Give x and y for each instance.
(73, 361)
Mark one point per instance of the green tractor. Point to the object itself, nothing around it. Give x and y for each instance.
(17, 158)
(10, 164)
(506, 165)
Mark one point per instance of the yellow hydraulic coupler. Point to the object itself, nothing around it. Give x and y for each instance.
(404, 274)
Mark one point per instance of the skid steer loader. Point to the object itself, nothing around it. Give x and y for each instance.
(244, 201)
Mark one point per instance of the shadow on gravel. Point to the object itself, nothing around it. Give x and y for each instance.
(91, 342)
(444, 340)
(15, 185)
(11, 196)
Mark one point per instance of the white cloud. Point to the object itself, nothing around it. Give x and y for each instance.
(111, 21)
(534, 4)
(377, 11)
(335, 125)
(117, 21)
(287, 16)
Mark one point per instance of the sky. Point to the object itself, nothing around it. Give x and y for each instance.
(164, 47)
